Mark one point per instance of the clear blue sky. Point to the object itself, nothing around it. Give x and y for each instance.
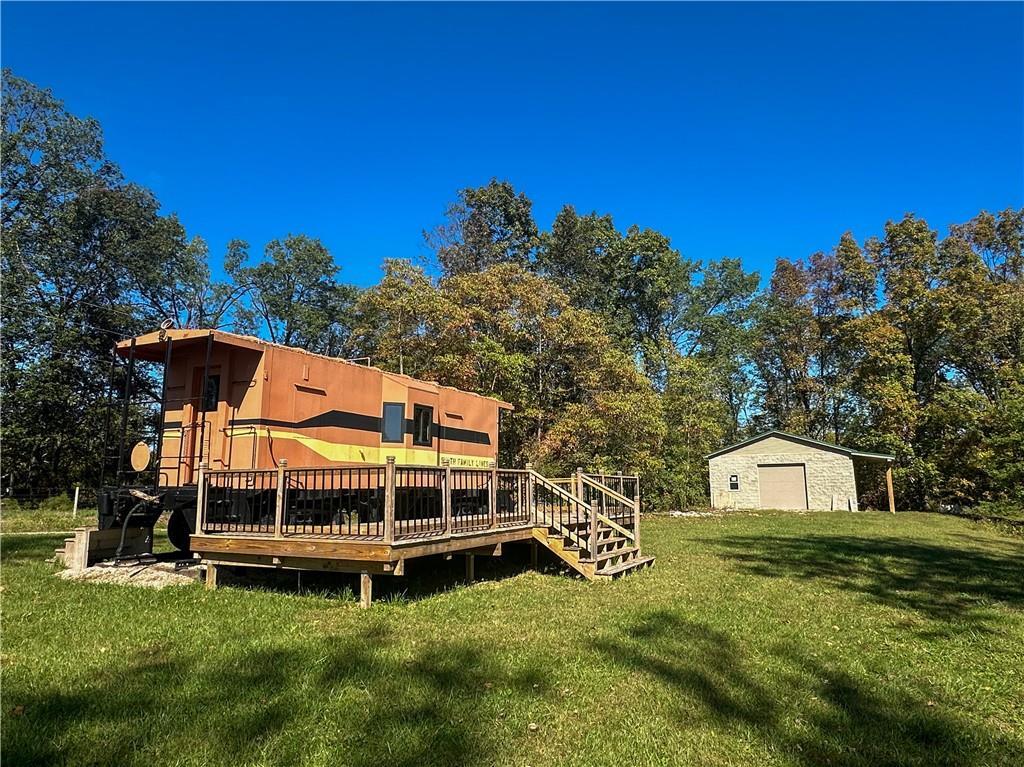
(755, 131)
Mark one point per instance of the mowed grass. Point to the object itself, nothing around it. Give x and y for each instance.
(767, 639)
(56, 514)
(52, 515)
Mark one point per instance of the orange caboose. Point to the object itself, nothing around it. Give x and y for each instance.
(237, 402)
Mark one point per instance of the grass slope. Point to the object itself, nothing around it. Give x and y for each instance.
(766, 639)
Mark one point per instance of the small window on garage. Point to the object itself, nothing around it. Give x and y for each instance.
(391, 427)
(422, 421)
(734, 481)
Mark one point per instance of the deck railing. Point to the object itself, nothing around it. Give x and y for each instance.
(419, 505)
(240, 501)
(513, 498)
(337, 502)
(400, 503)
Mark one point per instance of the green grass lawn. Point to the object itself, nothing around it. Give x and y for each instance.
(767, 639)
(54, 514)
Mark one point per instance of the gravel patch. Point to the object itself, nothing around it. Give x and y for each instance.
(153, 576)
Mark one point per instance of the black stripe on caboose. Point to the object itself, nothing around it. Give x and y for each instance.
(360, 422)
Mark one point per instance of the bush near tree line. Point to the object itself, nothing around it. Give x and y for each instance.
(618, 352)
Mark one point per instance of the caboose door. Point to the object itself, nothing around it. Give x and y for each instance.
(200, 423)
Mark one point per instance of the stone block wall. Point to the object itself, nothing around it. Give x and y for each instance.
(830, 481)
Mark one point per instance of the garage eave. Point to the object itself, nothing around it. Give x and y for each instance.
(871, 456)
(802, 441)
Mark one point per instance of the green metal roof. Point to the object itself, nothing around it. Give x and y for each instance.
(804, 441)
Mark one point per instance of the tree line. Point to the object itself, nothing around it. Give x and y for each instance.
(616, 350)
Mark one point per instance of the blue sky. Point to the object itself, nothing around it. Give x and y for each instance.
(748, 130)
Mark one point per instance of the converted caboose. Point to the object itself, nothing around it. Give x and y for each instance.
(268, 455)
(238, 402)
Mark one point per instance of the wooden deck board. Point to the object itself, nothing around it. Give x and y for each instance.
(260, 549)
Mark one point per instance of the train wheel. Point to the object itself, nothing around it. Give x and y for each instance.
(178, 531)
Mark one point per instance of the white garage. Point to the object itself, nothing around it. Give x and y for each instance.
(776, 470)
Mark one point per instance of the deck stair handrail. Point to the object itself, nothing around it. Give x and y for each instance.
(611, 494)
(628, 522)
(575, 520)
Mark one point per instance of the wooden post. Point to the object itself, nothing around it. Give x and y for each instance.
(389, 500)
(80, 560)
(365, 590)
(201, 498)
(211, 575)
(531, 503)
(636, 523)
(533, 554)
(470, 570)
(282, 491)
(593, 531)
(446, 497)
(636, 513)
(888, 487)
(74, 508)
(577, 484)
(492, 495)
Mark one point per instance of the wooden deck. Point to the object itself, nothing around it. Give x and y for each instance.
(372, 520)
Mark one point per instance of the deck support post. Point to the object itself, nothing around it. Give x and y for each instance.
(470, 567)
(533, 554)
(365, 590)
(888, 487)
(279, 503)
(389, 500)
(492, 495)
(211, 575)
(201, 498)
(531, 504)
(446, 497)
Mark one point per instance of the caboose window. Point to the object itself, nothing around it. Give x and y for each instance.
(422, 420)
(212, 393)
(391, 427)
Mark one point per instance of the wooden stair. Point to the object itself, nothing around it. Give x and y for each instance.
(616, 556)
(616, 553)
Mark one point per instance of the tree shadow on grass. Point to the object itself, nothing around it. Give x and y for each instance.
(954, 587)
(695, 658)
(354, 700)
(795, 705)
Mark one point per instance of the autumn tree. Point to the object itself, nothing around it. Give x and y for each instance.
(292, 296)
(785, 350)
(484, 226)
(714, 323)
(87, 259)
(634, 279)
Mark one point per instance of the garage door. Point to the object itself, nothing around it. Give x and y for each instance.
(783, 486)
